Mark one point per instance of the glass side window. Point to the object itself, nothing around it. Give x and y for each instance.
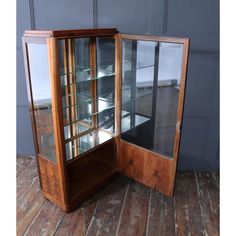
(87, 87)
(150, 87)
(42, 100)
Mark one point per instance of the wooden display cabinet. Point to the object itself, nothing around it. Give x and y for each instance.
(104, 103)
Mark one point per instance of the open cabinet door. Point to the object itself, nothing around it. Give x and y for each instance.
(150, 87)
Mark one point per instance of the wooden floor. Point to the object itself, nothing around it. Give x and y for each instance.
(124, 208)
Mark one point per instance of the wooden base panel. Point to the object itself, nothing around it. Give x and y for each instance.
(60, 204)
(49, 179)
(145, 167)
(94, 170)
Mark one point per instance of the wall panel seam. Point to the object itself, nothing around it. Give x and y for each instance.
(32, 14)
(95, 14)
(165, 16)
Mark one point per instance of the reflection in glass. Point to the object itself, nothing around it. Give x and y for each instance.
(106, 119)
(150, 86)
(84, 110)
(42, 101)
(85, 143)
(106, 86)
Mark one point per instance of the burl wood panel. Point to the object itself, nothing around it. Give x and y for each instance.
(145, 167)
(49, 179)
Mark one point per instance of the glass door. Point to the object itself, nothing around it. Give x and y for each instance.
(152, 77)
(151, 73)
(87, 75)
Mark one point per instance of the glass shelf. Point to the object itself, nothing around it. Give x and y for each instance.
(127, 65)
(124, 113)
(84, 110)
(106, 120)
(108, 97)
(83, 75)
(102, 105)
(85, 143)
(78, 68)
(80, 99)
(75, 128)
(126, 120)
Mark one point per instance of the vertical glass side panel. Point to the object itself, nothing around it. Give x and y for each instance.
(150, 87)
(42, 99)
(106, 82)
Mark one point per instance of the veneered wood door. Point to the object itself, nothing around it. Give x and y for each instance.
(150, 88)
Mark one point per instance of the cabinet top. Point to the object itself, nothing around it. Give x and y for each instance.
(70, 33)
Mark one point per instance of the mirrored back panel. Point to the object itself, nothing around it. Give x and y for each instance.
(151, 73)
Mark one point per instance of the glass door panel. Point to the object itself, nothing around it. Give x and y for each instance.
(150, 88)
(42, 99)
(87, 75)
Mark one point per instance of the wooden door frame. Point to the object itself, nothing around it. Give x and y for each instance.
(150, 168)
(57, 113)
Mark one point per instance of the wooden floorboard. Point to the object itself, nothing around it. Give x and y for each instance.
(28, 206)
(135, 212)
(188, 209)
(21, 163)
(106, 215)
(161, 220)
(72, 224)
(46, 221)
(216, 178)
(26, 178)
(208, 195)
(124, 207)
(77, 222)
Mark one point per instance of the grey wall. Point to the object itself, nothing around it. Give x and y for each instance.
(198, 20)
(24, 132)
